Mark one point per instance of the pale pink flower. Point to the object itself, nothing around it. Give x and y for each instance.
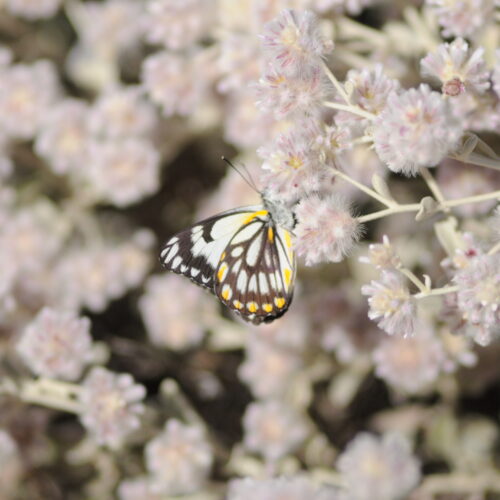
(495, 74)
(269, 368)
(462, 17)
(459, 180)
(292, 166)
(325, 231)
(382, 255)
(111, 406)
(179, 459)
(283, 488)
(416, 129)
(56, 344)
(176, 313)
(177, 24)
(138, 488)
(478, 296)
(370, 89)
(391, 304)
(457, 68)
(27, 93)
(334, 139)
(293, 41)
(63, 139)
(123, 172)
(410, 364)
(273, 429)
(291, 95)
(33, 9)
(459, 351)
(378, 468)
(173, 82)
(122, 112)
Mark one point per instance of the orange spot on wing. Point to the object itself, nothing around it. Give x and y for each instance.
(237, 304)
(221, 272)
(252, 307)
(251, 217)
(270, 234)
(279, 301)
(288, 276)
(267, 307)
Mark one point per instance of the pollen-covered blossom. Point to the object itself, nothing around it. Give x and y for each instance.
(410, 364)
(391, 304)
(462, 17)
(27, 93)
(175, 312)
(179, 459)
(325, 231)
(370, 89)
(10, 466)
(269, 368)
(123, 171)
(33, 9)
(122, 112)
(293, 41)
(478, 296)
(273, 429)
(63, 139)
(457, 68)
(177, 24)
(378, 468)
(287, 96)
(284, 488)
(173, 82)
(416, 129)
(111, 406)
(56, 344)
(292, 166)
(382, 255)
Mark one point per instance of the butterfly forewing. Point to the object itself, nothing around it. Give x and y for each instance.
(195, 252)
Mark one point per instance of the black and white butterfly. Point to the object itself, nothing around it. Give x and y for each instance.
(244, 256)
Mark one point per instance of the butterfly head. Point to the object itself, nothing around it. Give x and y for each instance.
(280, 212)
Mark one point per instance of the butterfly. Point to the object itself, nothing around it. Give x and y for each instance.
(244, 256)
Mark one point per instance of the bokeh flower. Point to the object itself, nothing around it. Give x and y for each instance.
(56, 344)
(111, 406)
(33, 10)
(378, 468)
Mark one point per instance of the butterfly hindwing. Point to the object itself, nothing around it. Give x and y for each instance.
(256, 272)
(195, 251)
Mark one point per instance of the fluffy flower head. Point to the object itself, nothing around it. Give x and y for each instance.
(325, 231)
(416, 129)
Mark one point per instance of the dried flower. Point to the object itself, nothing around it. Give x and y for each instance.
(288, 96)
(111, 406)
(122, 112)
(175, 312)
(32, 10)
(478, 295)
(457, 68)
(378, 468)
(325, 231)
(63, 139)
(27, 93)
(462, 17)
(56, 344)
(177, 24)
(416, 129)
(292, 167)
(285, 488)
(273, 429)
(391, 304)
(382, 255)
(410, 364)
(123, 171)
(179, 459)
(293, 41)
(173, 81)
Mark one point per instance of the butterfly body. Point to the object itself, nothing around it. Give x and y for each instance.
(244, 256)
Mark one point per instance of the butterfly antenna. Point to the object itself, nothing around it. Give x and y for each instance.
(247, 178)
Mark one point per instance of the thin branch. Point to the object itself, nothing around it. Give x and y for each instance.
(355, 110)
(365, 189)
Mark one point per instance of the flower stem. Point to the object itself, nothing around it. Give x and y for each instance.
(410, 207)
(480, 160)
(436, 291)
(365, 189)
(411, 276)
(432, 185)
(338, 86)
(355, 110)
